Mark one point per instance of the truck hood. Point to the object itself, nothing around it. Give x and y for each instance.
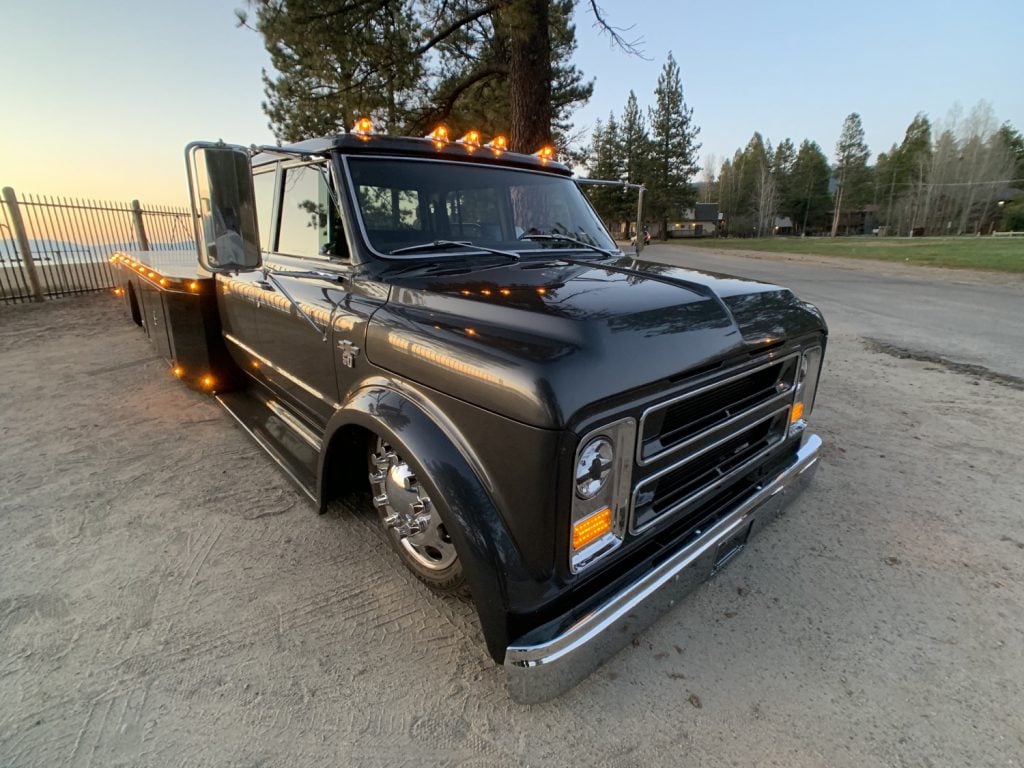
(537, 342)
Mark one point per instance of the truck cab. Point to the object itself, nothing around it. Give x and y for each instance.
(574, 435)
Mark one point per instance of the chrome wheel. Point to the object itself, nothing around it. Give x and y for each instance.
(409, 516)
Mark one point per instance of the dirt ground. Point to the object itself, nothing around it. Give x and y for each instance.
(158, 610)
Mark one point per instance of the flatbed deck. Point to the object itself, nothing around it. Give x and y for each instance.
(174, 301)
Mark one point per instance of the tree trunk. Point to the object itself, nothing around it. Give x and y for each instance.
(839, 208)
(527, 22)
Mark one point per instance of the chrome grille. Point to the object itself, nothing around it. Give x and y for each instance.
(715, 409)
(704, 440)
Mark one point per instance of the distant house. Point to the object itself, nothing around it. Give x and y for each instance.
(858, 221)
(783, 226)
(703, 220)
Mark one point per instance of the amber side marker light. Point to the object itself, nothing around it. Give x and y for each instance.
(207, 382)
(546, 153)
(178, 371)
(591, 528)
(119, 291)
(471, 139)
(194, 286)
(797, 414)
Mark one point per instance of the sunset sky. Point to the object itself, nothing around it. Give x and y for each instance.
(100, 98)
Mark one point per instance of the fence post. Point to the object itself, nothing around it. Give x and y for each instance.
(21, 236)
(140, 230)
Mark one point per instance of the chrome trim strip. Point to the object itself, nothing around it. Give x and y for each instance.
(708, 488)
(278, 369)
(541, 671)
(642, 462)
(308, 436)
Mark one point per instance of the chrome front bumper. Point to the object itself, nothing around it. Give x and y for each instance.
(540, 672)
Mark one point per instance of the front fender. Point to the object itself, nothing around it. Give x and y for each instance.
(457, 485)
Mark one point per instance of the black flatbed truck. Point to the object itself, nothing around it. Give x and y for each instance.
(576, 436)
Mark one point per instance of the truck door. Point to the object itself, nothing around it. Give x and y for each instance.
(301, 344)
(239, 294)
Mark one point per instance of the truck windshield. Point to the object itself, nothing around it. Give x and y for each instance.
(405, 203)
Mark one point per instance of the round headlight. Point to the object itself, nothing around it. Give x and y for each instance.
(594, 467)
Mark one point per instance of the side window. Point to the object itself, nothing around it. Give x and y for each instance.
(264, 184)
(310, 225)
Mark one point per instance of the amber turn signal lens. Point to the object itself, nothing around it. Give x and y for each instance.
(591, 528)
(797, 414)
(207, 382)
(178, 371)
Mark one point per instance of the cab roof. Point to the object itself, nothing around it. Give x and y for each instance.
(404, 146)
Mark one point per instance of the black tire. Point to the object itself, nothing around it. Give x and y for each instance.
(411, 520)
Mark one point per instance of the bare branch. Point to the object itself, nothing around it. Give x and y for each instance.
(633, 47)
(442, 110)
(454, 27)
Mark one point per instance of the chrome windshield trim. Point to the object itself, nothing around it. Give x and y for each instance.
(642, 462)
(633, 529)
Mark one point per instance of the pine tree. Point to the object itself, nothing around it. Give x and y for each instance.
(501, 67)
(606, 162)
(851, 167)
(808, 200)
(673, 149)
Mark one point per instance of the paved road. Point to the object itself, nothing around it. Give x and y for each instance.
(964, 317)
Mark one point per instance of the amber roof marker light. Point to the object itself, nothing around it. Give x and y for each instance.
(545, 153)
(497, 145)
(439, 136)
(363, 128)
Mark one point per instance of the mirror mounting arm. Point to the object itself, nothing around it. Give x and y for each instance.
(268, 276)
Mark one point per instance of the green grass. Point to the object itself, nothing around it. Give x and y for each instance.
(999, 254)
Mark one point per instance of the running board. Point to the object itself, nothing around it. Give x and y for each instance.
(293, 445)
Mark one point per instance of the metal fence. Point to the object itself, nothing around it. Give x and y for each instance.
(55, 246)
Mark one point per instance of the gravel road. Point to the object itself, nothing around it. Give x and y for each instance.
(156, 610)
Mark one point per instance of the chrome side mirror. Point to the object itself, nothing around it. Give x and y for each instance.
(223, 207)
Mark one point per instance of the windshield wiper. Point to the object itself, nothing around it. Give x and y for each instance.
(568, 239)
(434, 245)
